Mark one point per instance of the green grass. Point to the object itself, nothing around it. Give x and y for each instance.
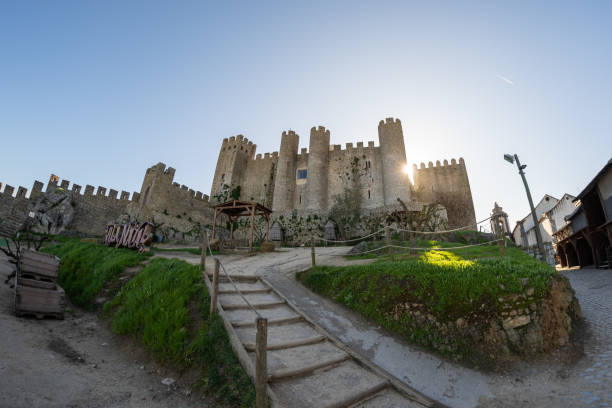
(464, 283)
(87, 267)
(165, 308)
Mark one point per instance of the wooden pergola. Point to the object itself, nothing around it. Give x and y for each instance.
(235, 209)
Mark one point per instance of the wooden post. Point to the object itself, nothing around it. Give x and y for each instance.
(204, 249)
(215, 288)
(214, 224)
(231, 232)
(389, 242)
(252, 228)
(261, 363)
(268, 227)
(312, 250)
(502, 246)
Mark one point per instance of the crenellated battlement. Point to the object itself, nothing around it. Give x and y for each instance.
(389, 121)
(350, 148)
(431, 166)
(266, 156)
(90, 191)
(319, 131)
(290, 133)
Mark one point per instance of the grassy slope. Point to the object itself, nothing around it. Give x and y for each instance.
(164, 307)
(154, 307)
(87, 267)
(451, 284)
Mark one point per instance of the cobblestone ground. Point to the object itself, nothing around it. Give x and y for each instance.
(594, 291)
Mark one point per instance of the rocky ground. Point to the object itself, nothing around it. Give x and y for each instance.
(78, 363)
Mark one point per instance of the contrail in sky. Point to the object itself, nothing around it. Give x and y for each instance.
(506, 80)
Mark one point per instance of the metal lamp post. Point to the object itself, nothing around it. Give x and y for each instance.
(511, 159)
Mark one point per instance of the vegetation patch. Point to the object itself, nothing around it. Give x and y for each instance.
(156, 307)
(164, 307)
(444, 300)
(87, 267)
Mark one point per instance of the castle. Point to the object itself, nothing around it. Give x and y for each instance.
(306, 182)
(311, 178)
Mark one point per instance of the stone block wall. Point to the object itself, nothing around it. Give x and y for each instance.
(447, 184)
(521, 324)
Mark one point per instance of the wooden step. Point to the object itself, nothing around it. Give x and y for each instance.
(289, 344)
(267, 305)
(287, 320)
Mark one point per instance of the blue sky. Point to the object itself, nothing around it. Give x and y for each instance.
(96, 92)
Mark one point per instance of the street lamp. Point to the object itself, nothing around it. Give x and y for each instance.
(510, 159)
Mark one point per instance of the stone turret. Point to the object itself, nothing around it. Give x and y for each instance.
(393, 153)
(234, 156)
(284, 187)
(318, 167)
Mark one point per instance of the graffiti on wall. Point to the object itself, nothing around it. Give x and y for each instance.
(132, 235)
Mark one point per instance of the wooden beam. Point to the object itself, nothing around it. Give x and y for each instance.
(252, 220)
(231, 240)
(214, 223)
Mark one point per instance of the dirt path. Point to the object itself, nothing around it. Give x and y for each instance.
(77, 363)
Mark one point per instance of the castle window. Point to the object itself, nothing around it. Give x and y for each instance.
(223, 177)
(368, 164)
(302, 174)
(369, 197)
(300, 199)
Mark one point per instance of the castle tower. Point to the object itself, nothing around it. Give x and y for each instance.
(318, 167)
(284, 187)
(447, 184)
(157, 180)
(233, 159)
(393, 153)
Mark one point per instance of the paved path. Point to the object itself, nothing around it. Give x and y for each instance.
(564, 379)
(306, 366)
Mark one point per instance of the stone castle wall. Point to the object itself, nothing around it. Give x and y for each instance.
(330, 170)
(161, 193)
(93, 208)
(447, 184)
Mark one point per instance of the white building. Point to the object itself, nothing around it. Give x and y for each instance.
(554, 219)
(524, 231)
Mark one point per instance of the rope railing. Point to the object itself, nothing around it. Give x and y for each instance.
(396, 229)
(261, 326)
(229, 278)
(352, 239)
(447, 248)
(427, 248)
(442, 231)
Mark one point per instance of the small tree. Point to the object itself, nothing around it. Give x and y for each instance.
(22, 239)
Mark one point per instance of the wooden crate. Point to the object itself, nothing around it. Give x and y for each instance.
(24, 280)
(39, 302)
(38, 265)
